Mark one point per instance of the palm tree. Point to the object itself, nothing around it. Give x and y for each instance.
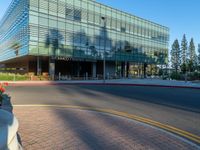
(127, 47)
(16, 46)
(93, 50)
(53, 40)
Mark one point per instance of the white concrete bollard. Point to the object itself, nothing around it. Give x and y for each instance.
(8, 131)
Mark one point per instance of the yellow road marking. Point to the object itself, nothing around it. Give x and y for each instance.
(169, 128)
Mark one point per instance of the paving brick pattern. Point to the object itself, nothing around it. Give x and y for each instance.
(59, 129)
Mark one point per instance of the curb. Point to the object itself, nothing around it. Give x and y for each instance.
(100, 84)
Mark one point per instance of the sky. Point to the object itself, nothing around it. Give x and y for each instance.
(181, 16)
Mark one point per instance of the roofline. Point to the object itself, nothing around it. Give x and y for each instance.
(167, 28)
(132, 15)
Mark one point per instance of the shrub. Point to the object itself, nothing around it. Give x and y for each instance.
(175, 76)
(12, 76)
(194, 76)
(2, 90)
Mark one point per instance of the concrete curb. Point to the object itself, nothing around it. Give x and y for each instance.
(9, 125)
(8, 131)
(100, 84)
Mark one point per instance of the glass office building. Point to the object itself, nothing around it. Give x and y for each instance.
(72, 37)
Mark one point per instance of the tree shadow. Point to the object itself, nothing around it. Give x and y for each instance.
(87, 132)
(53, 41)
(90, 135)
(183, 99)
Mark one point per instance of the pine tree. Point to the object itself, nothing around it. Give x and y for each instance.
(176, 55)
(199, 55)
(184, 49)
(192, 56)
(192, 52)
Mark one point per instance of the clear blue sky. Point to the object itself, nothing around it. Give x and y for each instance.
(181, 16)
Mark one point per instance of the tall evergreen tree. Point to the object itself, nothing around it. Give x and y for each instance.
(184, 49)
(199, 55)
(176, 55)
(192, 55)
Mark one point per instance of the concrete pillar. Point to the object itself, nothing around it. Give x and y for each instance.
(144, 69)
(39, 70)
(94, 69)
(127, 69)
(52, 68)
(78, 69)
(86, 76)
(123, 69)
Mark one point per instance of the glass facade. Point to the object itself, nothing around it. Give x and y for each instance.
(80, 29)
(14, 31)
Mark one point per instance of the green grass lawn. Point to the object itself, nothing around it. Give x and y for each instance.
(12, 77)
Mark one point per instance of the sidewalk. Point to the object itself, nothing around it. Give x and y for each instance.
(60, 128)
(129, 82)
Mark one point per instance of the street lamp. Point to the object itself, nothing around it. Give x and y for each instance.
(104, 53)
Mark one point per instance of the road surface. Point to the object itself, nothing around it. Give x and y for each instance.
(173, 106)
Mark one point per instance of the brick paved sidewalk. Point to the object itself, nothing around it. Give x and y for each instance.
(60, 128)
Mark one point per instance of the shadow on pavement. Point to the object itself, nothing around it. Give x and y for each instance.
(85, 131)
(184, 99)
(111, 132)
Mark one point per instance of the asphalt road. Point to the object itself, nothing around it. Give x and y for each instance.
(173, 106)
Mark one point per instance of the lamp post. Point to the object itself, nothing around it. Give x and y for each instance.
(85, 73)
(104, 53)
